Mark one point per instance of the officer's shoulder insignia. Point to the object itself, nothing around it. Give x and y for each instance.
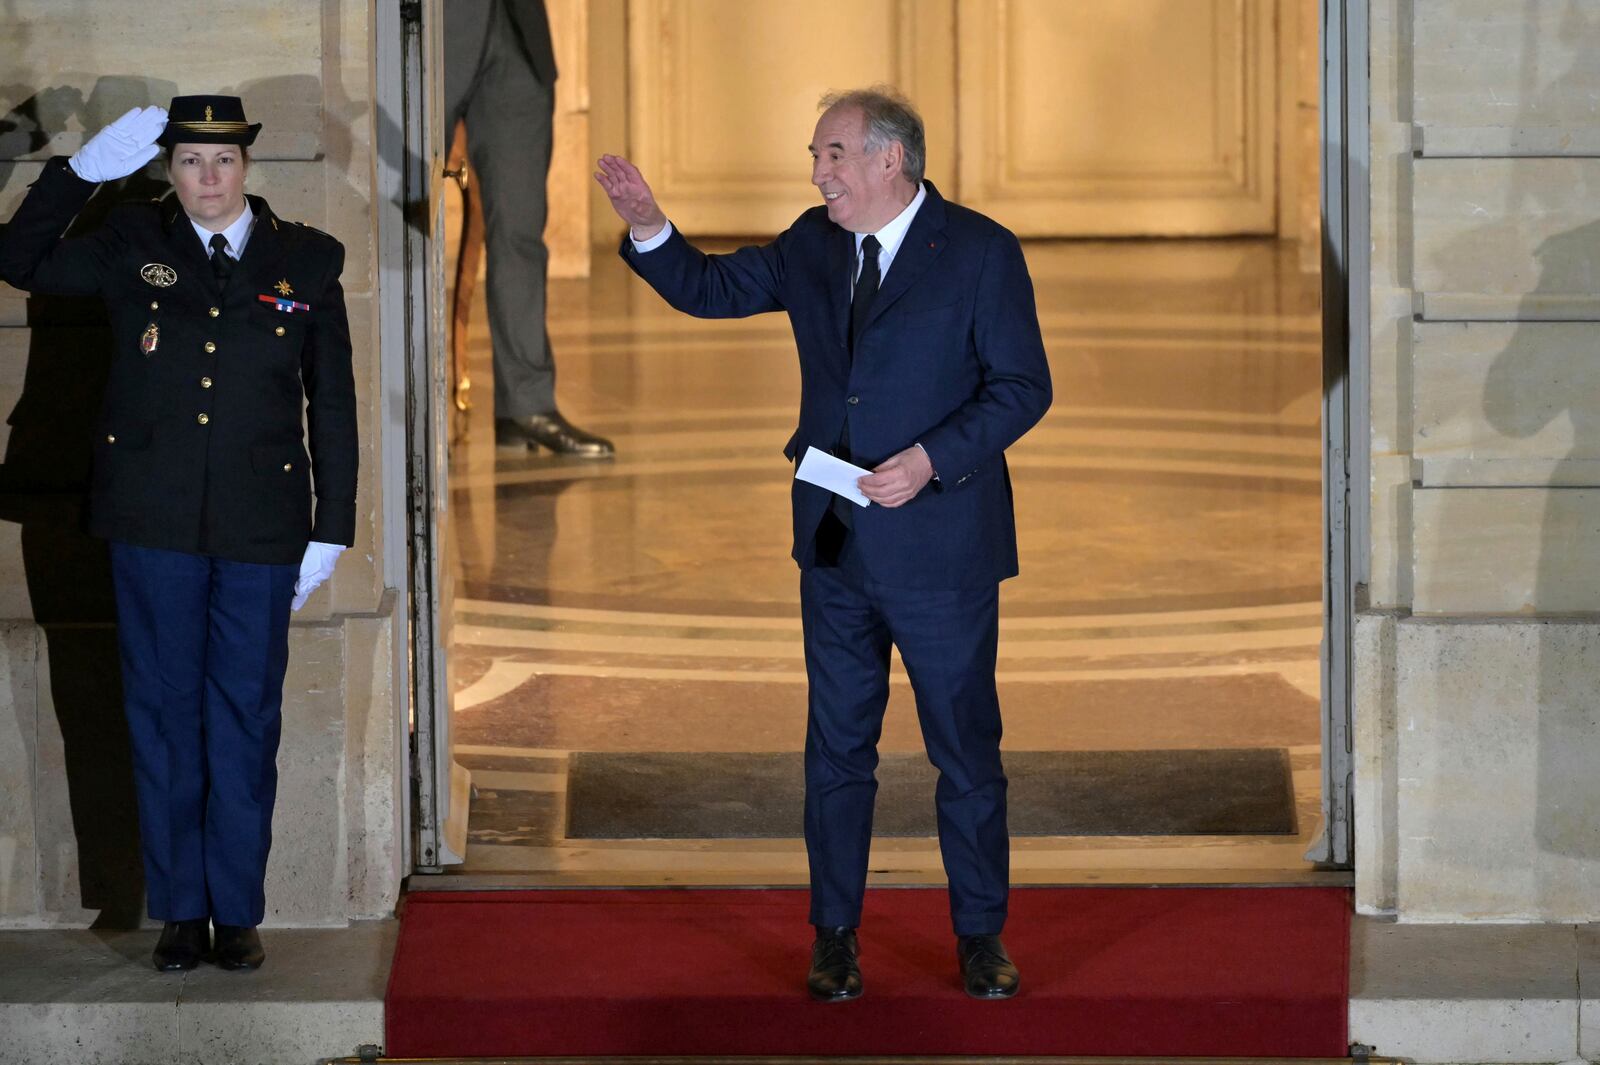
(159, 274)
(314, 229)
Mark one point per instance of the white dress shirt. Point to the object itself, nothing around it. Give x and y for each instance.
(237, 234)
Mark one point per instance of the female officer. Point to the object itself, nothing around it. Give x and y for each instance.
(229, 327)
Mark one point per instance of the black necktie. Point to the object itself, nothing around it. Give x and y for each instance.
(221, 261)
(866, 289)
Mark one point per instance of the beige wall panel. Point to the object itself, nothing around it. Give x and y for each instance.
(1517, 63)
(1502, 402)
(1498, 734)
(1507, 238)
(608, 110)
(69, 70)
(724, 94)
(1146, 117)
(572, 163)
(1506, 550)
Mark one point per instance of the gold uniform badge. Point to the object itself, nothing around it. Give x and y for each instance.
(159, 274)
(151, 337)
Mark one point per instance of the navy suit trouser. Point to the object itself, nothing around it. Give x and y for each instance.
(205, 645)
(947, 640)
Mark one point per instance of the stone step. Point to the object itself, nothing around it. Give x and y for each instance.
(1446, 994)
(75, 997)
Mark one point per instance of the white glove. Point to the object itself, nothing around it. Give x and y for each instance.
(122, 147)
(315, 567)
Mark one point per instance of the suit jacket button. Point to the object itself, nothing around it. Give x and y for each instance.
(279, 330)
(210, 347)
(213, 312)
(853, 400)
(203, 419)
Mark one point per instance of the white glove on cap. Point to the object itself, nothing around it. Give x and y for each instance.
(315, 567)
(122, 147)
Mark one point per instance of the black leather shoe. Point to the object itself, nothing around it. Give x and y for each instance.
(835, 973)
(182, 945)
(986, 970)
(238, 948)
(551, 431)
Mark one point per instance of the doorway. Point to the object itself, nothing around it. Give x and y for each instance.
(1174, 603)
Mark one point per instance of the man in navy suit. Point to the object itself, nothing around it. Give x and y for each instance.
(920, 360)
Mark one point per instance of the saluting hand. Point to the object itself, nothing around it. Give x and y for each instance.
(122, 147)
(630, 196)
(897, 479)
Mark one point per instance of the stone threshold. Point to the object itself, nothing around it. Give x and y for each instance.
(1451, 994)
(89, 997)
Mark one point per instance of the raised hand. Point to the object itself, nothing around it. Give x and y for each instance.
(122, 147)
(630, 196)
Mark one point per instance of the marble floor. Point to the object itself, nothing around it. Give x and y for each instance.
(1168, 510)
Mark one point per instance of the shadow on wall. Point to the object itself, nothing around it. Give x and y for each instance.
(43, 481)
(1538, 378)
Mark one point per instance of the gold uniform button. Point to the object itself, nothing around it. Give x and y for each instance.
(154, 305)
(210, 347)
(111, 438)
(279, 330)
(203, 419)
(213, 312)
(288, 466)
(205, 382)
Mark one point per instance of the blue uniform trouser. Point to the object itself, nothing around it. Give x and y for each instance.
(205, 645)
(948, 641)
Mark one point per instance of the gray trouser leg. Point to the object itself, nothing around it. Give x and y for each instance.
(509, 115)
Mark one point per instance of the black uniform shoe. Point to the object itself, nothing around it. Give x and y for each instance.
(182, 945)
(835, 974)
(238, 948)
(986, 970)
(551, 431)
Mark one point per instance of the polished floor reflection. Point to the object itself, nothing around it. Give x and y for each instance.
(1168, 509)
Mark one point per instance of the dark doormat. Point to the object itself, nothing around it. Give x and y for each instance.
(673, 795)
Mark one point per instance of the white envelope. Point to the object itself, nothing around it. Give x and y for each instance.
(834, 474)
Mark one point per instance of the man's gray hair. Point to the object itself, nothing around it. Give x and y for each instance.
(889, 117)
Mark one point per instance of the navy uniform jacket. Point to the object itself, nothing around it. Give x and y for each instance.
(950, 357)
(199, 446)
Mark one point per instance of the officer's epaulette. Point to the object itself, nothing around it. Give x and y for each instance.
(315, 230)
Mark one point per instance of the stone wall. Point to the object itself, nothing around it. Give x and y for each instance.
(1477, 701)
(68, 845)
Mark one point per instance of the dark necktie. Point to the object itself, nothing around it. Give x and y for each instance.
(866, 289)
(221, 261)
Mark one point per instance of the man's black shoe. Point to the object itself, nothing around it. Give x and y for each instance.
(182, 945)
(835, 974)
(238, 948)
(986, 970)
(551, 431)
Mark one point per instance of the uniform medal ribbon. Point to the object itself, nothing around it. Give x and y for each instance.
(287, 306)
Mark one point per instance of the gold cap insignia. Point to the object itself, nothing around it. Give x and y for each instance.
(208, 113)
(284, 288)
(159, 274)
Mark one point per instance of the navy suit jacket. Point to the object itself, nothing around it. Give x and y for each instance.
(950, 357)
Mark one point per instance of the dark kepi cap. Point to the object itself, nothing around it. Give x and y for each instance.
(207, 120)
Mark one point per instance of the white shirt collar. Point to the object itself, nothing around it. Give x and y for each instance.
(237, 234)
(892, 235)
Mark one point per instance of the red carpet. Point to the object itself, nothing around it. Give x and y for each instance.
(1105, 971)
